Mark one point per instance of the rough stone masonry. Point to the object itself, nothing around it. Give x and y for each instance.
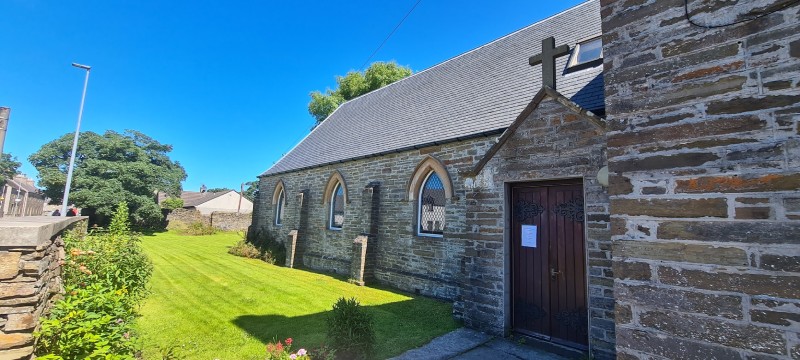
(704, 151)
(31, 250)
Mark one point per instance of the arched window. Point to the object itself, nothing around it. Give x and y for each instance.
(431, 205)
(279, 202)
(430, 189)
(279, 206)
(337, 207)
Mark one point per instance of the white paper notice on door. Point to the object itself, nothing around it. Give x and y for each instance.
(529, 236)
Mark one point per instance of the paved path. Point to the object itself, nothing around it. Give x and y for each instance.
(467, 344)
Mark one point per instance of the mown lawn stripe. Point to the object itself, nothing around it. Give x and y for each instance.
(213, 305)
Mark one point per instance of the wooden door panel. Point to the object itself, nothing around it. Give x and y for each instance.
(549, 280)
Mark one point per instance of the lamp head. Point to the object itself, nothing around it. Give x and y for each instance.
(85, 67)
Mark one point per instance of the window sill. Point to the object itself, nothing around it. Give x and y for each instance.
(430, 235)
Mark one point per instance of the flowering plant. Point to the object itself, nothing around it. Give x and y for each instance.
(283, 351)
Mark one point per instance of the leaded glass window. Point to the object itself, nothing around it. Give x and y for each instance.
(279, 208)
(337, 207)
(431, 205)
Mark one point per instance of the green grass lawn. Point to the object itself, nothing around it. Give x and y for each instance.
(207, 304)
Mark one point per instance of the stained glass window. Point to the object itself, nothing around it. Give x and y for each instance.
(337, 207)
(431, 205)
(279, 208)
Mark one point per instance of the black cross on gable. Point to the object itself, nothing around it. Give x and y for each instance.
(548, 60)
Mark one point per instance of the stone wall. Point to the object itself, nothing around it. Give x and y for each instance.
(553, 142)
(398, 256)
(31, 250)
(226, 221)
(704, 153)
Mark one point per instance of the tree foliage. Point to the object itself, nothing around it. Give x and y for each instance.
(216, 190)
(9, 166)
(172, 203)
(250, 190)
(109, 169)
(355, 84)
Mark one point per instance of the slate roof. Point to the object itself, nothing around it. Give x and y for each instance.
(476, 93)
(194, 198)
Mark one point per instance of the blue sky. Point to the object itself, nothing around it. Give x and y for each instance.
(225, 83)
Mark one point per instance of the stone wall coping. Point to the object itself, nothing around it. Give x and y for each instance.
(31, 231)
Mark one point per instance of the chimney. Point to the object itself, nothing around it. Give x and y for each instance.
(203, 188)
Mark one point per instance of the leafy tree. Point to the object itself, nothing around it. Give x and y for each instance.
(109, 169)
(214, 190)
(355, 84)
(9, 166)
(172, 203)
(250, 190)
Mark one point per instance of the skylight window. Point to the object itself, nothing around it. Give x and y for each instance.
(587, 52)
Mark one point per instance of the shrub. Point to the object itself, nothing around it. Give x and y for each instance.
(198, 228)
(272, 251)
(90, 323)
(350, 329)
(105, 275)
(245, 249)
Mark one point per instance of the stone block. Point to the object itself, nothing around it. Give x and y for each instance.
(19, 289)
(780, 262)
(9, 341)
(785, 286)
(775, 317)
(9, 264)
(625, 270)
(18, 322)
(748, 104)
(682, 252)
(762, 232)
(671, 347)
(743, 336)
(16, 354)
(691, 159)
(681, 208)
(649, 296)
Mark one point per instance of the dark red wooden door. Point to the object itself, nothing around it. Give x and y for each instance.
(548, 261)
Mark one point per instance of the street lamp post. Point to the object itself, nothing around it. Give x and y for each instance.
(75, 141)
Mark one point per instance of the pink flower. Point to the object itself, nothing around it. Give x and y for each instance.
(288, 341)
(293, 356)
(301, 352)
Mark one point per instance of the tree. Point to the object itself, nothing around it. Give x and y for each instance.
(215, 190)
(172, 203)
(355, 84)
(250, 190)
(9, 166)
(109, 169)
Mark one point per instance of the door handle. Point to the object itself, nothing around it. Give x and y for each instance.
(554, 274)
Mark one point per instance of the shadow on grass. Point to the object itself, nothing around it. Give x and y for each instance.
(399, 326)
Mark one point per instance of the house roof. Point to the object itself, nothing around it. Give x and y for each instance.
(476, 93)
(195, 198)
(22, 182)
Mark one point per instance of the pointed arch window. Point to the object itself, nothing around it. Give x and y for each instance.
(430, 189)
(337, 207)
(431, 205)
(279, 208)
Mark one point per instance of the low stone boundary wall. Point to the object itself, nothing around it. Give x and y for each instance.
(228, 221)
(231, 221)
(31, 251)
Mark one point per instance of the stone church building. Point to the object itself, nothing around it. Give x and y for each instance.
(620, 178)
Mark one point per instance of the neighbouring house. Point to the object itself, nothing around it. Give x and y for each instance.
(20, 197)
(207, 202)
(621, 178)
